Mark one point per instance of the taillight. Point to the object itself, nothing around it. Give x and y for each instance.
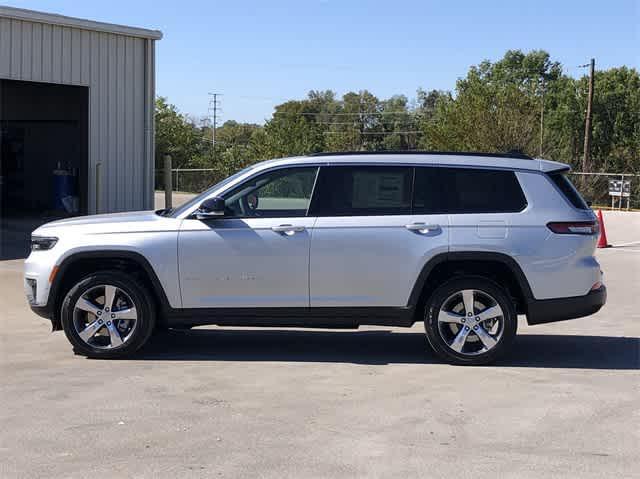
(574, 227)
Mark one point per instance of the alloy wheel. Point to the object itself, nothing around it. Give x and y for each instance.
(471, 322)
(105, 317)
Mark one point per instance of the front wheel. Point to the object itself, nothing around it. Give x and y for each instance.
(107, 315)
(470, 321)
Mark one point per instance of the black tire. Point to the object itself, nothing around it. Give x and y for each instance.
(435, 329)
(141, 299)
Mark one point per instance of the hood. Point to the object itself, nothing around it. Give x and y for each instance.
(133, 216)
(136, 221)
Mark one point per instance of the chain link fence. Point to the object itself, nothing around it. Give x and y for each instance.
(190, 180)
(594, 187)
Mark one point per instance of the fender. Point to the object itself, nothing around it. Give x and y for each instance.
(107, 254)
(428, 268)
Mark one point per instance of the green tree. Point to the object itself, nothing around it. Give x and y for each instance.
(398, 124)
(296, 128)
(615, 123)
(496, 108)
(175, 136)
(616, 119)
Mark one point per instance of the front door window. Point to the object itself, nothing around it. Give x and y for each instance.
(283, 193)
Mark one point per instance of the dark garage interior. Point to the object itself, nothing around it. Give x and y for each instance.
(43, 158)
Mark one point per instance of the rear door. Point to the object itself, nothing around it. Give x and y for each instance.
(485, 207)
(368, 247)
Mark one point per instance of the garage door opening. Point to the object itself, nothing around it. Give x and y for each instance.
(43, 158)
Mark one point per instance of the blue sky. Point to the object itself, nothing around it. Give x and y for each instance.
(260, 53)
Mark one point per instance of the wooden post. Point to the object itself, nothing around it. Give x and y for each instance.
(168, 190)
(541, 117)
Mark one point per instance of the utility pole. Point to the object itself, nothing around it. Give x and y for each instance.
(168, 187)
(214, 106)
(586, 159)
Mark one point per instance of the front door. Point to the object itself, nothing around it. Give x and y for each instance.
(257, 254)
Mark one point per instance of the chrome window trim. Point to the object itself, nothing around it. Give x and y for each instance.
(188, 214)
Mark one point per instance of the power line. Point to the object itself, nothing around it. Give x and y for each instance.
(363, 113)
(219, 142)
(332, 123)
(416, 132)
(416, 114)
(354, 122)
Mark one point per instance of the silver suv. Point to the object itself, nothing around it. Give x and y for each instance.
(463, 242)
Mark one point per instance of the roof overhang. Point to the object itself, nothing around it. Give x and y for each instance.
(61, 20)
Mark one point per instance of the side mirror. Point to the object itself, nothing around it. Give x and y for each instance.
(210, 208)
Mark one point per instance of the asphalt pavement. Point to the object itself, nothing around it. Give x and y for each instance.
(371, 403)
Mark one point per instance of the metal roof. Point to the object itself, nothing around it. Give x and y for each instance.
(55, 19)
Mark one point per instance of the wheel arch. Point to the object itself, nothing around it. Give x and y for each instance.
(79, 264)
(498, 267)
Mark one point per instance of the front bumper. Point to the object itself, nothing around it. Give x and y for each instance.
(561, 309)
(37, 292)
(47, 313)
(42, 311)
(31, 290)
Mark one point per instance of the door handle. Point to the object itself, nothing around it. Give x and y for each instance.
(422, 228)
(288, 230)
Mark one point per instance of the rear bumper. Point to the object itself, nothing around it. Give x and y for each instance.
(560, 309)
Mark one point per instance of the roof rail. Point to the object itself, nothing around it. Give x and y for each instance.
(511, 154)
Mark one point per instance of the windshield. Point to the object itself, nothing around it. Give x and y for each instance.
(198, 199)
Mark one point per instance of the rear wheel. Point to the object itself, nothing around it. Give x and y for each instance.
(107, 315)
(470, 320)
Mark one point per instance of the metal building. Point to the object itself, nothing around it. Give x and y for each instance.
(76, 116)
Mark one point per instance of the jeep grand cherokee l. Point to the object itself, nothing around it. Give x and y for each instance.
(461, 242)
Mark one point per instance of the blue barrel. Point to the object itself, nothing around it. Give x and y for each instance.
(63, 186)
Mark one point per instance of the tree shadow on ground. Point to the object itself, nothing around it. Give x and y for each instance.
(382, 347)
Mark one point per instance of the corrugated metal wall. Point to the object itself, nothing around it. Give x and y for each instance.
(114, 67)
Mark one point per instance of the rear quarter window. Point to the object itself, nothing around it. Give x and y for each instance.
(469, 190)
(568, 190)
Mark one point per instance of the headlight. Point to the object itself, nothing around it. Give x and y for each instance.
(41, 243)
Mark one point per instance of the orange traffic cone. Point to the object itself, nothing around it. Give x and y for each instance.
(602, 241)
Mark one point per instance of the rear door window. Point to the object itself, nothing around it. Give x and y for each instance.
(362, 191)
(428, 194)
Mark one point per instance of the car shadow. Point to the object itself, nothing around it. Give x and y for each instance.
(381, 347)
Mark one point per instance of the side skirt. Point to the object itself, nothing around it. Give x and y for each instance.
(339, 318)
